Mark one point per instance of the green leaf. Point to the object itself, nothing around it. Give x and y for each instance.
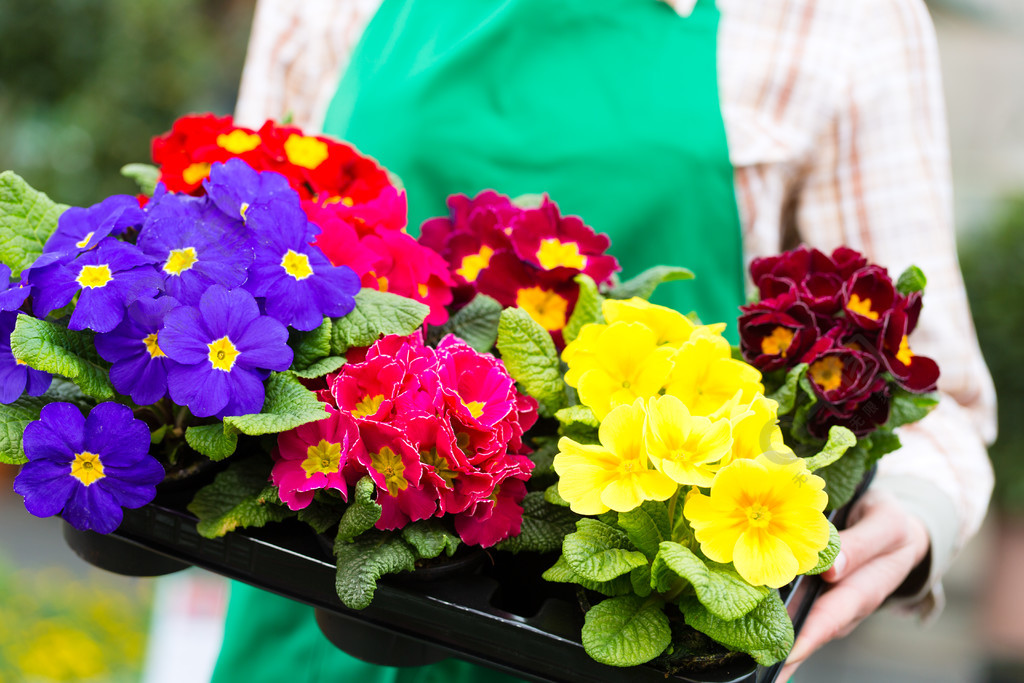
(14, 417)
(476, 323)
(530, 357)
(626, 631)
(578, 423)
(786, 394)
(803, 413)
(544, 528)
(718, 587)
(362, 563)
(640, 578)
(840, 440)
(600, 552)
(911, 280)
(766, 633)
(55, 349)
(212, 440)
(828, 555)
(882, 441)
(288, 404)
(146, 176)
(644, 284)
(27, 219)
(309, 347)
(238, 497)
(323, 512)
(647, 526)
(430, 538)
(906, 407)
(320, 368)
(843, 477)
(552, 496)
(543, 457)
(529, 201)
(376, 314)
(587, 309)
(361, 515)
(561, 572)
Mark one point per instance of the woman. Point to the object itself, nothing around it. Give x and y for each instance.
(695, 133)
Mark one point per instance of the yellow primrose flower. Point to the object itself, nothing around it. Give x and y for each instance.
(615, 475)
(627, 364)
(580, 353)
(755, 429)
(763, 516)
(706, 376)
(670, 326)
(685, 447)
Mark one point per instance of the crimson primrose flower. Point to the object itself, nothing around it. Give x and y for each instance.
(87, 469)
(224, 347)
(107, 279)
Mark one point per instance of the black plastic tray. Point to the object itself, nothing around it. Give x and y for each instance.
(502, 615)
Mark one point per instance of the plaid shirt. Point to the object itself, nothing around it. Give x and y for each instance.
(836, 127)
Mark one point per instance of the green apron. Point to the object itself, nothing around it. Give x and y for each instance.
(609, 106)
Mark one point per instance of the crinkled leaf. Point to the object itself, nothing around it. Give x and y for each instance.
(376, 314)
(766, 633)
(543, 457)
(718, 587)
(430, 538)
(14, 417)
(320, 368)
(805, 408)
(880, 443)
(843, 477)
(288, 404)
(578, 423)
(640, 578)
(840, 440)
(476, 323)
(644, 284)
(530, 357)
(53, 348)
(786, 394)
(361, 515)
(145, 176)
(600, 552)
(322, 513)
(828, 555)
(309, 347)
(647, 526)
(362, 563)
(27, 219)
(552, 496)
(587, 309)
(626, 631)
(211, 440)
(911, 280)
(561, 572)
(544, 528)
(238, 497)
(905, 407)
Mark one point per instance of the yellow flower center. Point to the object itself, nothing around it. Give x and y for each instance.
(243, 209)
(368, 406)
(472, 264)
(390, 464)
(195, 172)
(87, 468)
(475, 408)
(85, 240)
(546, 307)
(382, 283)
(905, 355)
(154, 350)
(423, 290)
(296, 265)
(827, 373)
(778, 342)
(238, 141)
(180, 260)
(440, 465)
(94, 276)
(553, 254)
(758, 515)
(223, 354)
(305, 151)
(862, 306)
(18, 361)
(323, 458)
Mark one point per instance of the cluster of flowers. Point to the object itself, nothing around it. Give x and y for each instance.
(440, 432)
(523, 257)
(678, 414)
(845, 318)
(360, 213)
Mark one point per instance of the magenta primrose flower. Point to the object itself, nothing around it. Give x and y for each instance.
(87, 469)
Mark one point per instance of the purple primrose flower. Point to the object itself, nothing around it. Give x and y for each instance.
(140, 365)
(81, 229)
(15, 377)
(234, 186)
(12, 296)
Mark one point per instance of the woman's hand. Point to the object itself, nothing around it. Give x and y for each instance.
(882, 545)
